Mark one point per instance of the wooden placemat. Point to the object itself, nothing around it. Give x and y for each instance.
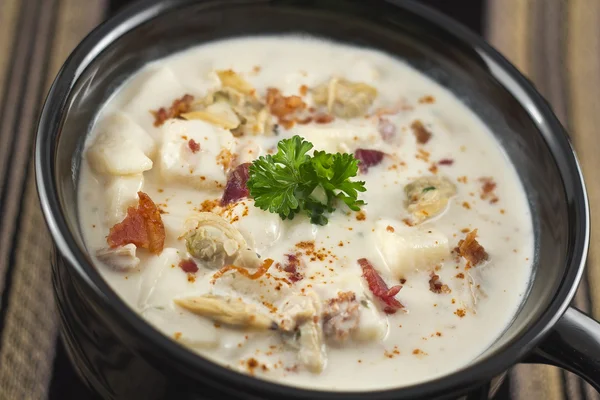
(555, 43)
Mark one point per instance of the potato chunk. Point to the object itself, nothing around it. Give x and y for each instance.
(121, 147)
(121, 193)
(203, 169)
(407, 249)
(428, 196)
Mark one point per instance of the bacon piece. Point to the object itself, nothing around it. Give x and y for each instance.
(368, 158)
(291, 267)
(421, 133)
(446, 161)
(188, 266)
(194, 146)
(436, 286)
(379, 288)
(179, 106)
(488, 188)
(264, 267)
(387, 130)
(471, 250)
(284, 107)
(142, 227)
(323, 118)
(236, 187)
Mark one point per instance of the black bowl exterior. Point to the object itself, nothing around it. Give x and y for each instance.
(522, 122)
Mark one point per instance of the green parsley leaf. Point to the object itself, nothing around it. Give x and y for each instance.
(291, 181)
(428, 188)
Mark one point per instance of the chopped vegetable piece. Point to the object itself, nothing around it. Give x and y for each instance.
(368, 158)
(379, 288)
(236, 188)
(142, 227)
(286, 183)
(471, 250)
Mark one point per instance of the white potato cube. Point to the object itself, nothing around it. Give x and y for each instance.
(339, 136)
(261, 229)
(121, 193)
(122, 258)
(203, 169)
(162, 280)
(121, 147)
(373, 325)
(407, 249)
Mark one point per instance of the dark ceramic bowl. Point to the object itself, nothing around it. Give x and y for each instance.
(121, 356)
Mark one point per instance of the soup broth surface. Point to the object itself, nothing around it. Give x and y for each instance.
(446, 217)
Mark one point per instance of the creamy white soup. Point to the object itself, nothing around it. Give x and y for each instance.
(307, 212)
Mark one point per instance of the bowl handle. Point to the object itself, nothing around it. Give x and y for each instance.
(574, 345)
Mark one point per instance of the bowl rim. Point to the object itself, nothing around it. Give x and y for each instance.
(461, 380)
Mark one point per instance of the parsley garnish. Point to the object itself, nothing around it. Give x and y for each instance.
(427, 189)
(291, 181)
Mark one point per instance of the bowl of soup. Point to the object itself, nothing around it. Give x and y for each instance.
(270, 199)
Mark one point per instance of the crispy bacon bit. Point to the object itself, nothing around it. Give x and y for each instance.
(421, 133)
(179, 106)
(436, 286)
(387, 130)
(303, 90)
(446, 161)
(142, 226)
(390, 229)
(361, 216)
(487, 189)
(368, 158)
(194, 146)
(341, 317)
(236, 187)
(291, 267)
(460, 312)
(284, 107)
(323, 118)
(264, 267)
(189, 266)
(471, 250)
(379, 288)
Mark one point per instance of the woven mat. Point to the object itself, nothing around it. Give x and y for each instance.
(555, 43)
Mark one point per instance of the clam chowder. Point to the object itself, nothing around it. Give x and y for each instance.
(307, 212)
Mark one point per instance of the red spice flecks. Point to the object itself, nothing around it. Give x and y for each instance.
(446, 161)
(291, 267)
(142, 227)
(368, 158)
(194, 146)
(379, 288)
(188, 266)
(387, 130)
(236, 187)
